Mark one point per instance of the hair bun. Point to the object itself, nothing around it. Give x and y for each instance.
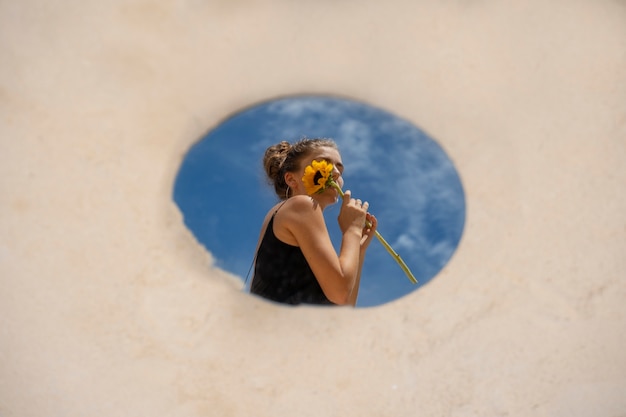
(274, 158)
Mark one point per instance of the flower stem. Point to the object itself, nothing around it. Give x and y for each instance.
(382, 240)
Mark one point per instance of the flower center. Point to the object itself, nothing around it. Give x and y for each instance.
(318, 176)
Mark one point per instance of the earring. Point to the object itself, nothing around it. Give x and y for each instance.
(287, 193)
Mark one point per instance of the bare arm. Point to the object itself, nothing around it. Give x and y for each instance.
(368, 233)
(337, 274)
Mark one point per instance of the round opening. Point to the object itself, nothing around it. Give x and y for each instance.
(412, 186)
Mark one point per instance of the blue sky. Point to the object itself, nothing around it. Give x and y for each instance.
(412, 186)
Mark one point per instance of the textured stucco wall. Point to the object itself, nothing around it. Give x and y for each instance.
(108, 307)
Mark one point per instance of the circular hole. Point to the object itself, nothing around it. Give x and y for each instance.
(412, 186)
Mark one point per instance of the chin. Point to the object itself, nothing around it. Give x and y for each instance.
(327, 200)
(334, 197)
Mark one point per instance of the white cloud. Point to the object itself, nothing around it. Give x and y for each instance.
(295, 107)
(356, 144)
(404, 242)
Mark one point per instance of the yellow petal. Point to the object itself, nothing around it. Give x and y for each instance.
(320, 169)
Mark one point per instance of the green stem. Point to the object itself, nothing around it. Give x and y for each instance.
(386, 245)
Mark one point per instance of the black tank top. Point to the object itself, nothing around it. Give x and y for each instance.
(282, 274)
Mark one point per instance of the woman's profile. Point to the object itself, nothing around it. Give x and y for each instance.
(296, 262)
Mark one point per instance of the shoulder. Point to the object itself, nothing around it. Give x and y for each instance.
(299, 205)
(299, 213)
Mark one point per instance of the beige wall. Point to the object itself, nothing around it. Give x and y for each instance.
(108, 307)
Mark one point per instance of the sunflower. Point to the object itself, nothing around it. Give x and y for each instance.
(317, 177)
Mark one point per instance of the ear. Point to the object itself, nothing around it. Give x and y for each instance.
(290, 179)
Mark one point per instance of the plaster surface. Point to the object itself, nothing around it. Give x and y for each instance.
(108, 307)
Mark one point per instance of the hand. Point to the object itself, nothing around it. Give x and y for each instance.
(352, 214)
(369, 231)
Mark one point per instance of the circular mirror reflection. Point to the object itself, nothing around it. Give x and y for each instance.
(411, 184)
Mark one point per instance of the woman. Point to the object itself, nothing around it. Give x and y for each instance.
(295, 261)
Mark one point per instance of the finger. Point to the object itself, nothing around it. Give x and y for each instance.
(366, 205)
(346, 197)
(374, 221)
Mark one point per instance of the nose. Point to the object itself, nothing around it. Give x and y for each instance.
(336, 174)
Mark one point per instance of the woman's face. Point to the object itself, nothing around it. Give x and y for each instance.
(331, 155)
